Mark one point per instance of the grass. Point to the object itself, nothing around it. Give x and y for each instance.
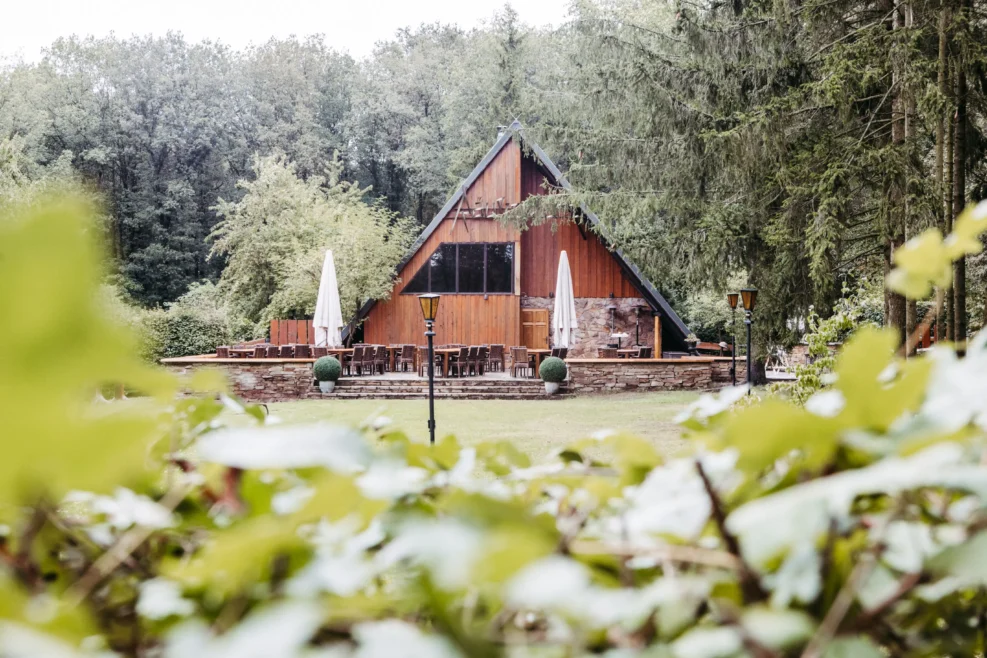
(536, 427)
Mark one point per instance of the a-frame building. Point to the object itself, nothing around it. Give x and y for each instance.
(497, 283)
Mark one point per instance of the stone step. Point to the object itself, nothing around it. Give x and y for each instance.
(475, 389)
(464, 396)
(439, 382)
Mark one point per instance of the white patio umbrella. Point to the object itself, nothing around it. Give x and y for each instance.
(328, 320)
(564, 319)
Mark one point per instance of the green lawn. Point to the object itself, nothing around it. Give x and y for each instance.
(537, 427)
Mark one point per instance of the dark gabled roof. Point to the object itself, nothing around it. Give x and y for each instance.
(647, 289)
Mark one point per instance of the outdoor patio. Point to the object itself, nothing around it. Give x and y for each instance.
(274, 378)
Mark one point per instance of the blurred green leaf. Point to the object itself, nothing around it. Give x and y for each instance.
(59, 350)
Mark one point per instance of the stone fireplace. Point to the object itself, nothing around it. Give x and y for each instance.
(593, 316)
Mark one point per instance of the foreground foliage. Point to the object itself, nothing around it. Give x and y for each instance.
(852, 526)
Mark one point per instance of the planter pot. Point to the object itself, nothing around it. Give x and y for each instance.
(326, 387)
(551, 388)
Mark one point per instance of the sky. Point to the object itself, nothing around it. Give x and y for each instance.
(349, 25)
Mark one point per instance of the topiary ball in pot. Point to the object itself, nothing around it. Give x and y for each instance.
(552, 371)
(327, 370)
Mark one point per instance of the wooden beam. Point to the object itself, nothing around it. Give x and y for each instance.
(657, 353)
(517, 267)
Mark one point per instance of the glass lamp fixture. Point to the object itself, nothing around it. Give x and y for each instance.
(749, 295)
(732, 299)
(430, 306)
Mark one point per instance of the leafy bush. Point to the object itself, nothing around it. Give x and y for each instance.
(553, 370)
(849, 315)
(851, 526)
(182, 332)
(196, 323)
(327, 369)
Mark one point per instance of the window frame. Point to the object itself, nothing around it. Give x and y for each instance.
(486, 262)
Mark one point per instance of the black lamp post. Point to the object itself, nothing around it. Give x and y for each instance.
(732, 301)
(430, 307)
(749, 296)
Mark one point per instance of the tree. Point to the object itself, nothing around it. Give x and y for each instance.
(274, 239)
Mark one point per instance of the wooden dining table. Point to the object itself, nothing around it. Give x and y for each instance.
(241, 352)
(628, 352)
(539, 354)
(392, 355)
(445, 352)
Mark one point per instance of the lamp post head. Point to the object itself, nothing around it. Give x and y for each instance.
(732, 299)
(749, 295)
(430, 306)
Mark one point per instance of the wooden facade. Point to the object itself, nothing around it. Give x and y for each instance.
(506, 177)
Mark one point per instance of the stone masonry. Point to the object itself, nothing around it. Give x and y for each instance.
(258, 381)
(593, 318)
(589, 376)
(273, 380)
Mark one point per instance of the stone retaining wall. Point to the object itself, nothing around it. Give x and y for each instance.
(274, 380)
(257, 380)
(590, 376)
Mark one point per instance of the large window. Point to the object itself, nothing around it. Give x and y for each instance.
(467, 268)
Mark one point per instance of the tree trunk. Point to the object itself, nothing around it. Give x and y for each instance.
(895, 303)
(959, 201)
(943, 162)
(911, 305)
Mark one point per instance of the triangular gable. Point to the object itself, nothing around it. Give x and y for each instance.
(647, 289)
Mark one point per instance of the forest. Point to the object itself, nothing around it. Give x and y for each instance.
(791, 145)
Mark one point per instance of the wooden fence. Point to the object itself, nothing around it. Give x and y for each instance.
(287, 332)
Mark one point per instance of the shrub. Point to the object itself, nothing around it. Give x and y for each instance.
(553, 369)
(182, 333)
(327, 369)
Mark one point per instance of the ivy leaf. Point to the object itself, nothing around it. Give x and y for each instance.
(852, 647)
(876, 396)
(965, 562)
(764, 433)
(777, 629)
(336, 448)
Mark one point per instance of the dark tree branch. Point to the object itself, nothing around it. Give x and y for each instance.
(749, 582)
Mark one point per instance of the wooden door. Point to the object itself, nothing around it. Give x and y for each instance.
(534, 328)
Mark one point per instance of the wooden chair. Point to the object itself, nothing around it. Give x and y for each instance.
(303, 352)
(459, 363)
(479, 365)
(319, 352)
(407, 359)
(495, 358)
(380, 360)
(472, 355)
(260, 352)
(287, 352)
(367, 363)
(520, 363)
(646, 353)
(353, 362)
(560, 352)
(223, 352)
(423, 362)
(608, 352)
(273, 351)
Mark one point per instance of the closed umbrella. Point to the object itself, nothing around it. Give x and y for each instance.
(328, 320)
(564, 320)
